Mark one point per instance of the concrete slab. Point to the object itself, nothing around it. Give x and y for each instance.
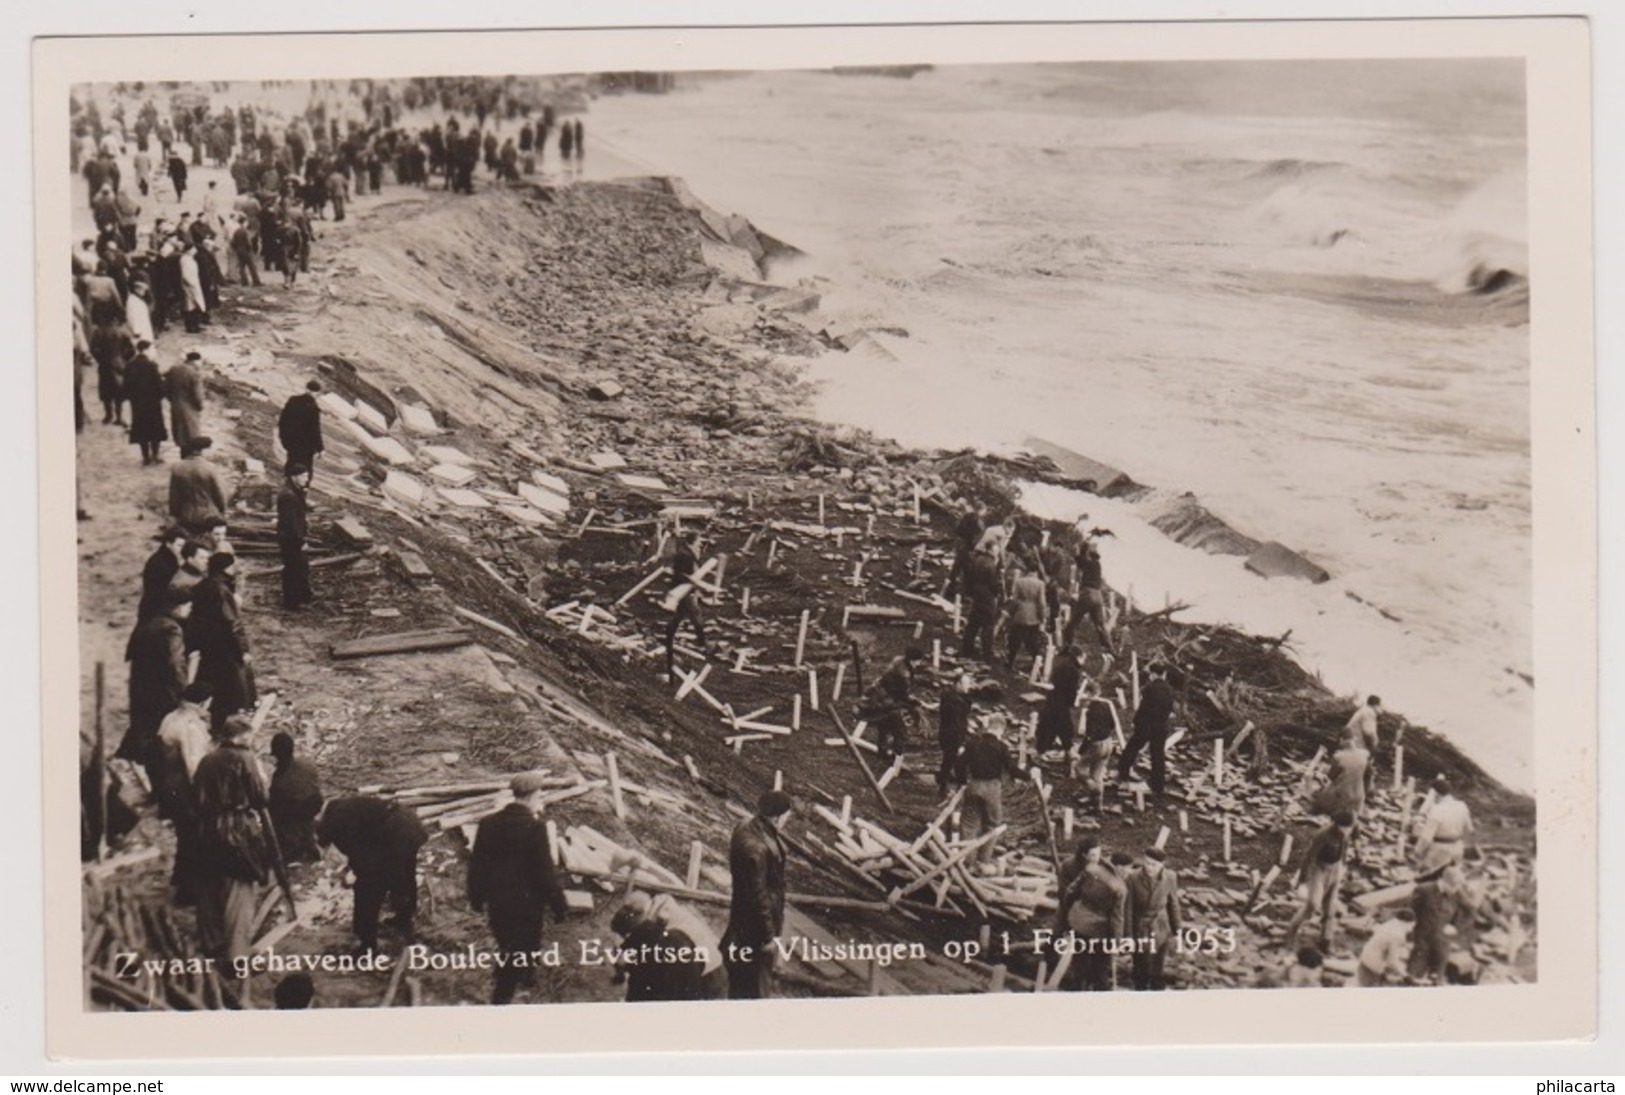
(552, 483)
(608, 461)
(371, 417)
(336, 405)
(419, 419)
(643, 482)
(455, 475)
(1275, 560)
(390, 450)
(403, 488)
(466, 499)
(525, 515)
(445, 454)
(544, 500)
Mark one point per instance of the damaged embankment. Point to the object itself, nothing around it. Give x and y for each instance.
(493, 360)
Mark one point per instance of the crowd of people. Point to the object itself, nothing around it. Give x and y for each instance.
(192, 690)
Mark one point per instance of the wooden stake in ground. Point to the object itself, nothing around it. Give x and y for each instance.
(1133, 678)
(1162, 838)
(696, 851)
(812, 688)
(840, 678)
(1227, 838)
(1184, 822)
(744, 601)
(1399, 767)
(778, 779)
(615, 785)
(795, 711)
(820, 507)
(1286, 850)
(1218, 762)
(801, 636)
(99, 815)
(772, 550)
(936, 655)
(1049, 822)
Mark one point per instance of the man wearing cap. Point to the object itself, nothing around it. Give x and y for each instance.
(511, 876)
(1153, 913)
(144, 388)
(1056, 717)
(183, 742)
(1151, 720)
(157, 656)
(1437, 903)
(159, 571)
(1443, 839)
(983, 767)
(665, 960)
(1093, 909)
(299, 427)
(184, 387)
(197, 499)
(242, 251)
(292, 509)
(236, 855)
(217, 634)
(756, 908)
(381, 839)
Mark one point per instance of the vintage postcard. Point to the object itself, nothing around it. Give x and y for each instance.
(1045, 535)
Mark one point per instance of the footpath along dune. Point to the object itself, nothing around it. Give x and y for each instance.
(526, 386)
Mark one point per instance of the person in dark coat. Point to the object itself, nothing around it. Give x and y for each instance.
(183, 386)
(218, 635)
(953, 728)
(889, 704)
(664, 963)
(299, 427)
(756, 907)
(177, 175)
(292, 520)
(381, 839)
(144, 388)
(111, 347)
(197, 498)
(157, 656)
(296, 799)
(1151, 729)
(511, 877)
(242, 250)
(1093, 908)
(236, 853)
(967, 531)
(580, 134)
(983, 588)
(567, 142)
(1056, 721)
(159, 571)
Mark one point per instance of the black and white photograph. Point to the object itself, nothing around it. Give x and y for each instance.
(919, 527)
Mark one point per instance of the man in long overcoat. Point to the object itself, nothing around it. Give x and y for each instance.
(512, 878)
(299, 427)
(756, 908)
(218, 635)
(144, 388)
(184, 388)
(157, 656)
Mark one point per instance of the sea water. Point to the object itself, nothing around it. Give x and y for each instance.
(1295, 289)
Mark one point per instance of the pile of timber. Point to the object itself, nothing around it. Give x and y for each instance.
(165, 974)
(936, 865)
(452, 806)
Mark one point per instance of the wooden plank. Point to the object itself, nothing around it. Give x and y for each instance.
(485, 621)
(405, 643)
